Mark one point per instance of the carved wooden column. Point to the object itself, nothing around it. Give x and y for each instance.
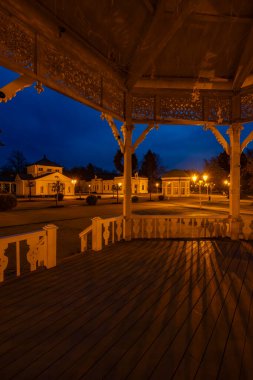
(234, 133)
(127, 131)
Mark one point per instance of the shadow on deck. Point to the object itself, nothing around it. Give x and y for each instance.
(136, 310)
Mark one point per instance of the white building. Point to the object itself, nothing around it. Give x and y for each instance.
(176, 183)
(108, 186)
(41, 178)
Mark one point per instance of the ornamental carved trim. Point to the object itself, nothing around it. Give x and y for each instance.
(17, 44)
(219, 109)
(143, 107)
(70, 74)
(180, 107)
(113, 97)
(247, 107)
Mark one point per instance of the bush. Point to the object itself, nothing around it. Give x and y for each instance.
(91, 200)
(161, 197)
(60, 197)
(7, 202)
(135, 199)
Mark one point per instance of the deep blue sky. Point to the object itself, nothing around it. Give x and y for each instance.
(74, 135)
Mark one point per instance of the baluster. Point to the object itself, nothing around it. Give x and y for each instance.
(136, 227)
(204, 226)
(182, 228)
(106, 234)
(32, 254)
(84, 243)
(149, 227)
(18, 258)
(119, 229)
(224, 228)
(210, 228)
(162, 227)
(3, 259)
(197, 228)
(173, 228)
(113, 237)
(217, 231)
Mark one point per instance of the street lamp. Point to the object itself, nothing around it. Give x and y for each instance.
(89, 189)
(157, 184)
(73, 181)
(227, 183)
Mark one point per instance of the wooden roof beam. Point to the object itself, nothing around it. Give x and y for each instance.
(157, 37)
(149, 6)
(245, 64)
(36, 17)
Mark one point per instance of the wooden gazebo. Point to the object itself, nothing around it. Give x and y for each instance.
(148, 61)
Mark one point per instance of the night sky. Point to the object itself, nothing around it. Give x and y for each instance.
(74, 135)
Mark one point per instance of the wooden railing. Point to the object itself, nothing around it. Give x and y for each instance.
(102, 232)
(85, 237)
(107, 231)
(164, 227)
(41, 249)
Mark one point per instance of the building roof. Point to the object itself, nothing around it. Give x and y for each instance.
(7, 179)
(25, 176)
(175, 173)
(46, 162)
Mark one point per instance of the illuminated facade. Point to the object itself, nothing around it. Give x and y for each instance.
(41, 178)
(176, 183)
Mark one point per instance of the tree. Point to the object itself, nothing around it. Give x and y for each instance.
(57, 187)
(218, 169)
(89, 172)
(16, 162)
(1, 143)
(119, 162)
(150, 169)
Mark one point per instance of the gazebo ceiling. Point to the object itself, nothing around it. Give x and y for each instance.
(165, 61)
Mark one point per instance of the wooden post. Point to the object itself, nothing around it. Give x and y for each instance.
(96, 234)
(51, 231)
(234, 133)
(127, 130)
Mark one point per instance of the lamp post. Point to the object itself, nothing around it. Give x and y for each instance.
(200, 201)
(194, 179)
(205, 177)
(117, 188)
(157, 184)
(89, 189)
(227, 183)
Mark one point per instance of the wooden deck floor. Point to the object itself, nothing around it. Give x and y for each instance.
(137, 310)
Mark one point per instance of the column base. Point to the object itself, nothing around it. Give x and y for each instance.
(235, 227)
(127, 229)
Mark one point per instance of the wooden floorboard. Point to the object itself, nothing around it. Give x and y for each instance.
(137, 310)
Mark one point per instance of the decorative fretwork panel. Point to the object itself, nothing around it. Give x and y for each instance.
(247, 107)
(70, 74)
(218, 109)
(17, 44)
(113, 97)
(179, 107)
(143, 108)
